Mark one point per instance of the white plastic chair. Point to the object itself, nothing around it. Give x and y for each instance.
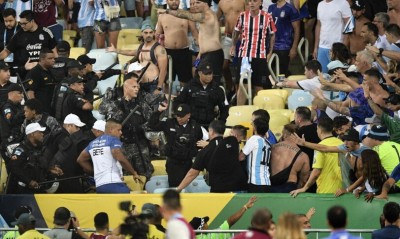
(152, 185)
(299, 99)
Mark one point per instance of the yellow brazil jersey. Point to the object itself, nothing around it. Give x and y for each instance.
(33, 234)
(330, 179)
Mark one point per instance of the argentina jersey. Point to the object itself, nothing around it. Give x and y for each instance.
(85, 15)
(99, 8)
(258, 151)
(20, 6)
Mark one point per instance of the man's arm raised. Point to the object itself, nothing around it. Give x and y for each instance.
(196, 17)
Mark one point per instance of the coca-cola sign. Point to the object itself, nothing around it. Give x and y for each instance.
(37, 46)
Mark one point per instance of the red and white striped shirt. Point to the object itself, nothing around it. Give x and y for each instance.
(255, 32)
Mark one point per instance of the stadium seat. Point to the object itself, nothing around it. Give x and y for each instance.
(238, 114)
(128, 36)
(159, 167)
(131, 22)
(159, 177)
(276, 125)
(269, 102)
(76, 52)
(299, 99)
(133, 185)
(279, 92)
(69, 36)
(281, 113)
(198, 186)
(151, 186)
(162, 190)
(296, 77)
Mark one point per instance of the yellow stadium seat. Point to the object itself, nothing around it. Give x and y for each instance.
(123, 59)
(129, 46)
(76, 52)
(280, 92)
(277, 130)
(3, 176)
(296, 77)
(269, 102)
(135, 186)
(159, 167)
(69, 36)
(276, 125)
(238, 114)
(289, 114)
(128, 36)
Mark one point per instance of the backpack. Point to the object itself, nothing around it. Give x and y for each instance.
(59, 96)
(152, 55)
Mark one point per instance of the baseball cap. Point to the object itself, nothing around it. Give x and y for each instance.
(33, 127)
(22, 209)
(182, 110)
(24, 219)
(358, 5)
(149, 209)
(63, 46)
(100, 125)
(84, 59)
(73, 119)
(333, 65)
(351, 135)
(135, 67)
(61, 216)
(205, 68)
(197, 223)
(74, 79)
(378, 132)
(146, 26)
(4, 66)
(75, 64)
(15, 87)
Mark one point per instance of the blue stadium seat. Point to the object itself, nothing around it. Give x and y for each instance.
(299, 98)
(198, 186)
(152, 185)
(131, 22)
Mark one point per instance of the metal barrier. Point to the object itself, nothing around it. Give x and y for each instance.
(247, 92)
(273, 74)
(302, 42)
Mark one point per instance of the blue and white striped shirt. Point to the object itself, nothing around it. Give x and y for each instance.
(86, 14)
(99, 9)
(20, 6)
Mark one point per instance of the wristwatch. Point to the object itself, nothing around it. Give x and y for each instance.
(380, 52)
(159, 88)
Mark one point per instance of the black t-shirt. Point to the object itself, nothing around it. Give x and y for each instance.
(9, 33)
(4, 92)
(26, 45)
(310, 134)
(73, 104)
(42, 82)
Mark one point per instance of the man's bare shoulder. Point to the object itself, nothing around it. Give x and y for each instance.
(231, 5)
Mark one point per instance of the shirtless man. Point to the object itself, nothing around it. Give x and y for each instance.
(290, 167)
(154, 77)
(355, 41)
(176, 41)
(394, 11)
(230, 9)
(209, 34)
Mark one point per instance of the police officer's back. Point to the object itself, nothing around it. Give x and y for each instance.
(203, 95)
(26, 165)
(182, 134)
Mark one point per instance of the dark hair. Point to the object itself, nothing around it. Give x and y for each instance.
(313, 65)
(101, 220)
(372, 28)
(130, 75)
(374, 73)
(291, 128)
(261, 217)
(9, 12)
(340, 52)
(34, 104)
(242, 130)
(261, 126)
(28, 15)
(262, 114)
(217, 126)
(372, 168)
(172, 199)
(304, 112)
(325, 124)
(337, 217)
(157, 217)
(44, 52)
(339, 121)
(393, 29)
(391, 211)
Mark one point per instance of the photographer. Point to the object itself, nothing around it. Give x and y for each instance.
(64, 220)
(182, 133)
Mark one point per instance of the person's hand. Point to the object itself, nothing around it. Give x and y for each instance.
(372, 49)
(369, 197)
(296, 192)
(33, 184)
(111, 48)
(100, 74)
(340, 74)
(382, 196)
(161, 11)
(310, 213)
(292, 53)
(202, 143)
(251, 202)
(340, 192)
(357, 193)
(297, 140)
(162, 106)
(57, 171)
(389, 81)
(136, 178)
(232, 50)
(29, 65)
(365, 87)
(75, 222)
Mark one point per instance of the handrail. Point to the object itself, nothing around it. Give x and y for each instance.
(271, 71)
(248, 93)
(303, 41)
(170, 84)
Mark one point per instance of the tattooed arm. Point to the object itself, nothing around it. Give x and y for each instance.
(196, 17)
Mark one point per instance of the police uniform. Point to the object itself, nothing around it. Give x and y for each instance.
(73, 104)
(135, 145)
(45, 120)
(42, 82)
(59, 69)
(203, 99)
(4, 88)
(26, 165)
(181, 143)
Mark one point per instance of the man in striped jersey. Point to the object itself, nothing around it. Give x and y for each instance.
(254, 27)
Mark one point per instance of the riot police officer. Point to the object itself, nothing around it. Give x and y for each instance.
(202, 94)
(26, 166)
(182, 134)
(134, 107)
(12, 116)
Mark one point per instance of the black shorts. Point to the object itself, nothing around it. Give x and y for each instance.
(260, 72)
(181, 64)
(75, 11)
(312, 8)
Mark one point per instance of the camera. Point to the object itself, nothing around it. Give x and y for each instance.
(134, 225)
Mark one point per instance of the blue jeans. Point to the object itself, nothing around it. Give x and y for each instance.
(113, 188)
(323, 58)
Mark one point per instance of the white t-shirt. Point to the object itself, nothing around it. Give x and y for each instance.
(258, 150)
(177, 229)
(331, 15)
